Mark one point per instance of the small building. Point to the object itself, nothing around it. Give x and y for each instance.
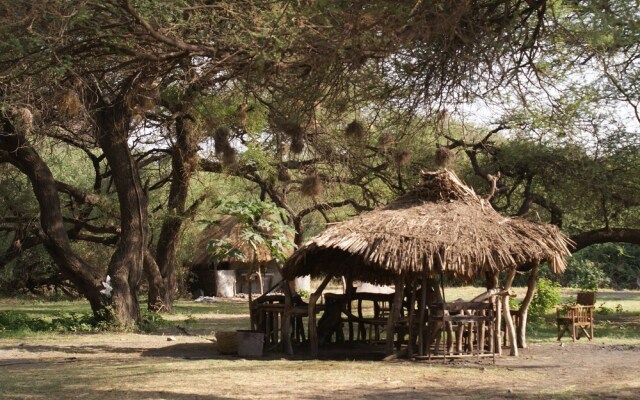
(228, 277)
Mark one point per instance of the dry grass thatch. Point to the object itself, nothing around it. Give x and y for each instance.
(440, 223)
(228, 228)
(311, 186)
(69, 103)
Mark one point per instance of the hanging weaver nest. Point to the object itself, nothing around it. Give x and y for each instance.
(221, 139)
(283, 174)
(24, 119)
(354, 130)
(222, 147)
(444, 156)
(242, 115)
(137, 118)
(295, 132)
(143, 97)
(297, 144)
(385, 141)
(402, 157)
(229, 156)
(311, 186)
(69, 104)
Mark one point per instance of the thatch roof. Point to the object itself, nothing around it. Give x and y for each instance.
(229, 228)
(441, 222)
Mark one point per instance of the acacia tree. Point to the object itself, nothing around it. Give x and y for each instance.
(111, 56)
(568, 140)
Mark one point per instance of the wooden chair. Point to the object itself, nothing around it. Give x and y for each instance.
(576, 319)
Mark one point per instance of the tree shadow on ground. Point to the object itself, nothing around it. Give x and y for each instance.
(90, 393)
(80, 349)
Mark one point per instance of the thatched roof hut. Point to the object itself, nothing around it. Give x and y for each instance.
(229, 228)
(439, 225)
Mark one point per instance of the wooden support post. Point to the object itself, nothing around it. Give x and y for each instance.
(394, 314)
(286, 320)
(313, 327)
(508, 321)
(524, 307)
(497, 338)
(411, 318)
(422, 315)
(348, 295)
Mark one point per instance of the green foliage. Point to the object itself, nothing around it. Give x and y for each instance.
(222, 249)
(618, 263)
(19, 322)
(151, 321)
(546, 297)
(262, 225)
(604, 310)
(304, 293)
(586, 275)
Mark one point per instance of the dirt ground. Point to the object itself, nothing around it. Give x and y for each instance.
(129, 366)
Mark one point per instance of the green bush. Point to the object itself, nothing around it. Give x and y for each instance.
(586, 275)
(151, 321)
(12, 321)
(546, 297)
(19, 322)
(615, 264)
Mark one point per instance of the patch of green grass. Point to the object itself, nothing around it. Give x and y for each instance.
(621, 321)
(40, 308)
(185, 307)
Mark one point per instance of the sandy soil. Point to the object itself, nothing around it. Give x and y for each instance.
(189, 367)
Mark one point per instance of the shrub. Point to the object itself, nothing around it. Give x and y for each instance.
(586, 275)
(546, 297)
(151, 321)
(17, 321)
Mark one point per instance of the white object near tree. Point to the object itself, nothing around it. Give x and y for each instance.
(226, 283)
(107, 287)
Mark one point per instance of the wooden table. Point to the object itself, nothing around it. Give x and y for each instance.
(270, 319)
(380, 316)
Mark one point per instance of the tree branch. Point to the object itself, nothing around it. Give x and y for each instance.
(604, 235)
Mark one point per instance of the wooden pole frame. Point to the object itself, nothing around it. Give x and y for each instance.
(422, 316)
(523, 311)
(394, 314)
(286, 319)
(313, 327)
(508, 321)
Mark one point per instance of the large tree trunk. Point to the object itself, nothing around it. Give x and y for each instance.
(23, 156)
(125, 266)
(183, 162)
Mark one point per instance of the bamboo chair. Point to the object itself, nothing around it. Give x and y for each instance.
(576, 319)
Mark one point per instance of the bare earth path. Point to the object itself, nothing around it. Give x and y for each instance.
(128, 366)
